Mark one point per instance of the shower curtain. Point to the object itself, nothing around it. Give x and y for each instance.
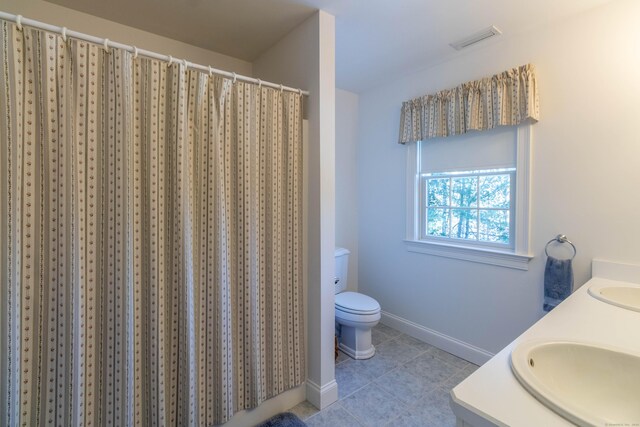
(151, 238)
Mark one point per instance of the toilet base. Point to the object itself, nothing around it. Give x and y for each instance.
(356, 342)
(355, 354)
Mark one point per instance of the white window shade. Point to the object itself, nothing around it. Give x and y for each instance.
(492, 149)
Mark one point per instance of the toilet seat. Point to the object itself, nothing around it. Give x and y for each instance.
(357, 320)
(356, 303)
(356, 310)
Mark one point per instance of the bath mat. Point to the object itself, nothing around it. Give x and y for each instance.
(284, 419)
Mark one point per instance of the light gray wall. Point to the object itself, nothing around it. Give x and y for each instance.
(585, 176)
(346, 180)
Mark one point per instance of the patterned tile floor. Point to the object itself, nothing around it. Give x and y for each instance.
(406, 383)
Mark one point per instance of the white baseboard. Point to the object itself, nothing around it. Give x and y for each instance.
(268, 408)
(452, 345)
(321, 397)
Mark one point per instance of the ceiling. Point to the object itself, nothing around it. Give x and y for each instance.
(374, 38)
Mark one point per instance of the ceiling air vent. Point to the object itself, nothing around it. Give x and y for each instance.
(485, 34)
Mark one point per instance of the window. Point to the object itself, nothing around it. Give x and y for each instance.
(468, 197)
(469, 206)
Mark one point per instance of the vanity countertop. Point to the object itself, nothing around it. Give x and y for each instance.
(493, 396)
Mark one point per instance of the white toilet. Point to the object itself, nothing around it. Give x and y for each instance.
(356, 313)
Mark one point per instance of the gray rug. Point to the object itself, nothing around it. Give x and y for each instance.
(284, 419)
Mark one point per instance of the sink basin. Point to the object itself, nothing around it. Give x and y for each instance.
(625, 296)
(587, 384)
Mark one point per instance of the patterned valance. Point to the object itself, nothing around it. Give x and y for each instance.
(508, 98)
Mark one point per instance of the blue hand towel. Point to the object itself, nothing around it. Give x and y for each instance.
(558, 281)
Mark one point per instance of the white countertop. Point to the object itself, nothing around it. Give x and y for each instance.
(493, 396)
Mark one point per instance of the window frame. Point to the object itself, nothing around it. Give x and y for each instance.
(516, 255)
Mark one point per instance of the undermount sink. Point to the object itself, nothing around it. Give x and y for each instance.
(625, 296)
(587, 384)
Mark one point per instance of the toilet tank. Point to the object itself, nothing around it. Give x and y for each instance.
(342, 268)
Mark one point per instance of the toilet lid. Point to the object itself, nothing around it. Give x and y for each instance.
(353, 302)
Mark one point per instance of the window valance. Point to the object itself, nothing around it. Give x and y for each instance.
(508, 98)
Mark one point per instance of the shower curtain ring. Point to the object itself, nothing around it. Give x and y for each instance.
(210, 71)
(186, 64)
(259, 83)
(63, 33)
(235, 77)
(19, 22)
(105, 45)
(300, 91)
(135, 52)
(170, 61)
(281, 87)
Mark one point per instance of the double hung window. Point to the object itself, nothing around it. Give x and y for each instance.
(468, 196)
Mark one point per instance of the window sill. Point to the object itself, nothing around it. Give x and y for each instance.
(468, 253)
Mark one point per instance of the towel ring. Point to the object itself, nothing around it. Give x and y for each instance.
(561, 238)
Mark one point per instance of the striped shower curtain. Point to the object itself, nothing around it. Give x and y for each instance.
(151, 238)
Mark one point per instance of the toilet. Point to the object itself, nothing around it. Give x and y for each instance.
(356, 313)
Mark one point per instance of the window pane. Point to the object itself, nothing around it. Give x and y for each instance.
(464, 224)
(438, 192)
(494, 191)
(464, 192)
(468, 205)
(437, 222)
(494, 226)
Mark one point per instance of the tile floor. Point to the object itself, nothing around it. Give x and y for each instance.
(407, 383)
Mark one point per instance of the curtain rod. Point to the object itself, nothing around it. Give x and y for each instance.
(19, 20)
